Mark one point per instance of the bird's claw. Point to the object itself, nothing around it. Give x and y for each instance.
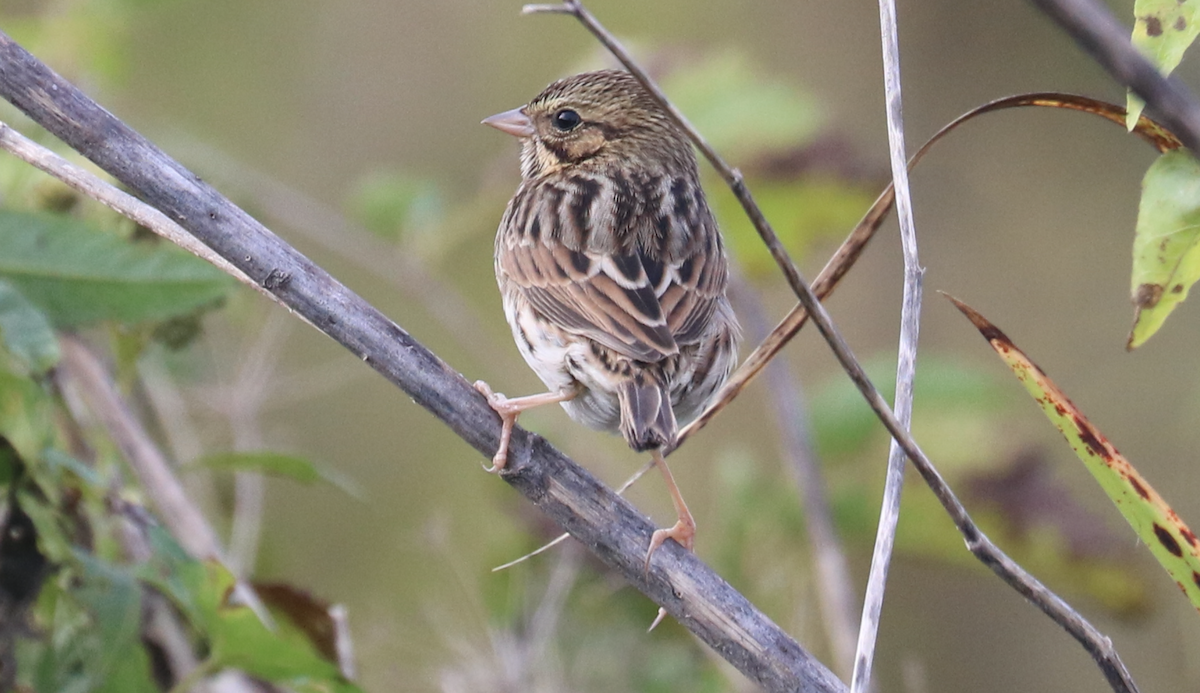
(499, 404)
(684, 534)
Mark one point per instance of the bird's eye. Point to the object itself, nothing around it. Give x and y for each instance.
(566, 120)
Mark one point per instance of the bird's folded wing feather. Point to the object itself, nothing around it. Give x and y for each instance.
(633, 304)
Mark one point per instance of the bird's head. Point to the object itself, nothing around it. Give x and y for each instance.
(593, 119)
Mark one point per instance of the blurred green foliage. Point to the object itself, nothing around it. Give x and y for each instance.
(742, 109)
(392, 204)
(81, 276)
(68, 264)
(769, 128)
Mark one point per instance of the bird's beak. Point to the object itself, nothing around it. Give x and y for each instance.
(514, 122)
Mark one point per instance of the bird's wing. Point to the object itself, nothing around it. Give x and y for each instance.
(632, 302)
(689, 288)
(607, 298)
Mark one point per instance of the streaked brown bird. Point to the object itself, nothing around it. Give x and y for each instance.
(612, 271)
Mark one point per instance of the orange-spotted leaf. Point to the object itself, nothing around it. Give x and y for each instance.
(1172, 543)
(1162, 31)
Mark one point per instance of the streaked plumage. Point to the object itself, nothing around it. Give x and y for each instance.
(610, 264)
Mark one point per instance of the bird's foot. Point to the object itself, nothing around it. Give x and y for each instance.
(683, 532)
(508, 416)
(510, 409)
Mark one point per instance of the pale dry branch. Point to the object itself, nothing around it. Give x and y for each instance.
(906, 360)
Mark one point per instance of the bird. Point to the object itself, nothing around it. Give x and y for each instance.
(612, 271)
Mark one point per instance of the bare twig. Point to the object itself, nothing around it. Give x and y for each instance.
(906, 363)
(1092, 25)
(840, 263)
(608, 525)
(1094, 642)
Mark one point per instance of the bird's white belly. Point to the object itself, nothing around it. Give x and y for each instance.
(564, 361)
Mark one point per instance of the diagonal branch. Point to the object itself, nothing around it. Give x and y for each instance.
(609, 526)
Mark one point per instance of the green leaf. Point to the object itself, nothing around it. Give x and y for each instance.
(236, 636)
(276, 464)
(1162, 30)
(26, 415)
(1166, 260)
(100, 648)
(79, 275)
(171, 571)
(239, 639)
(114, 599)
(26, 332)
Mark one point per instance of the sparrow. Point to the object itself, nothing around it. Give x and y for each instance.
(612, 271)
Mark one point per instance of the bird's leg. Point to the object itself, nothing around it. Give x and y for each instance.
(510, 409)
(684, 529)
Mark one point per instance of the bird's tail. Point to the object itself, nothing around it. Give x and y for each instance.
(647, 420)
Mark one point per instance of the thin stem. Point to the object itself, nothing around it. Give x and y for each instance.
(851, 248)
(185, 521)
(906, 365)
(732, 177)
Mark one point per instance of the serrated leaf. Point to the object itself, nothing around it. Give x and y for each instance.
(276, 464)
(78, 275)
(1173, 544)
(1166, 259)
(1162, 30)
(26, 331)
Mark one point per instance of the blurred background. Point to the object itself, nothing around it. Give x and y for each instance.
(352, 130)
